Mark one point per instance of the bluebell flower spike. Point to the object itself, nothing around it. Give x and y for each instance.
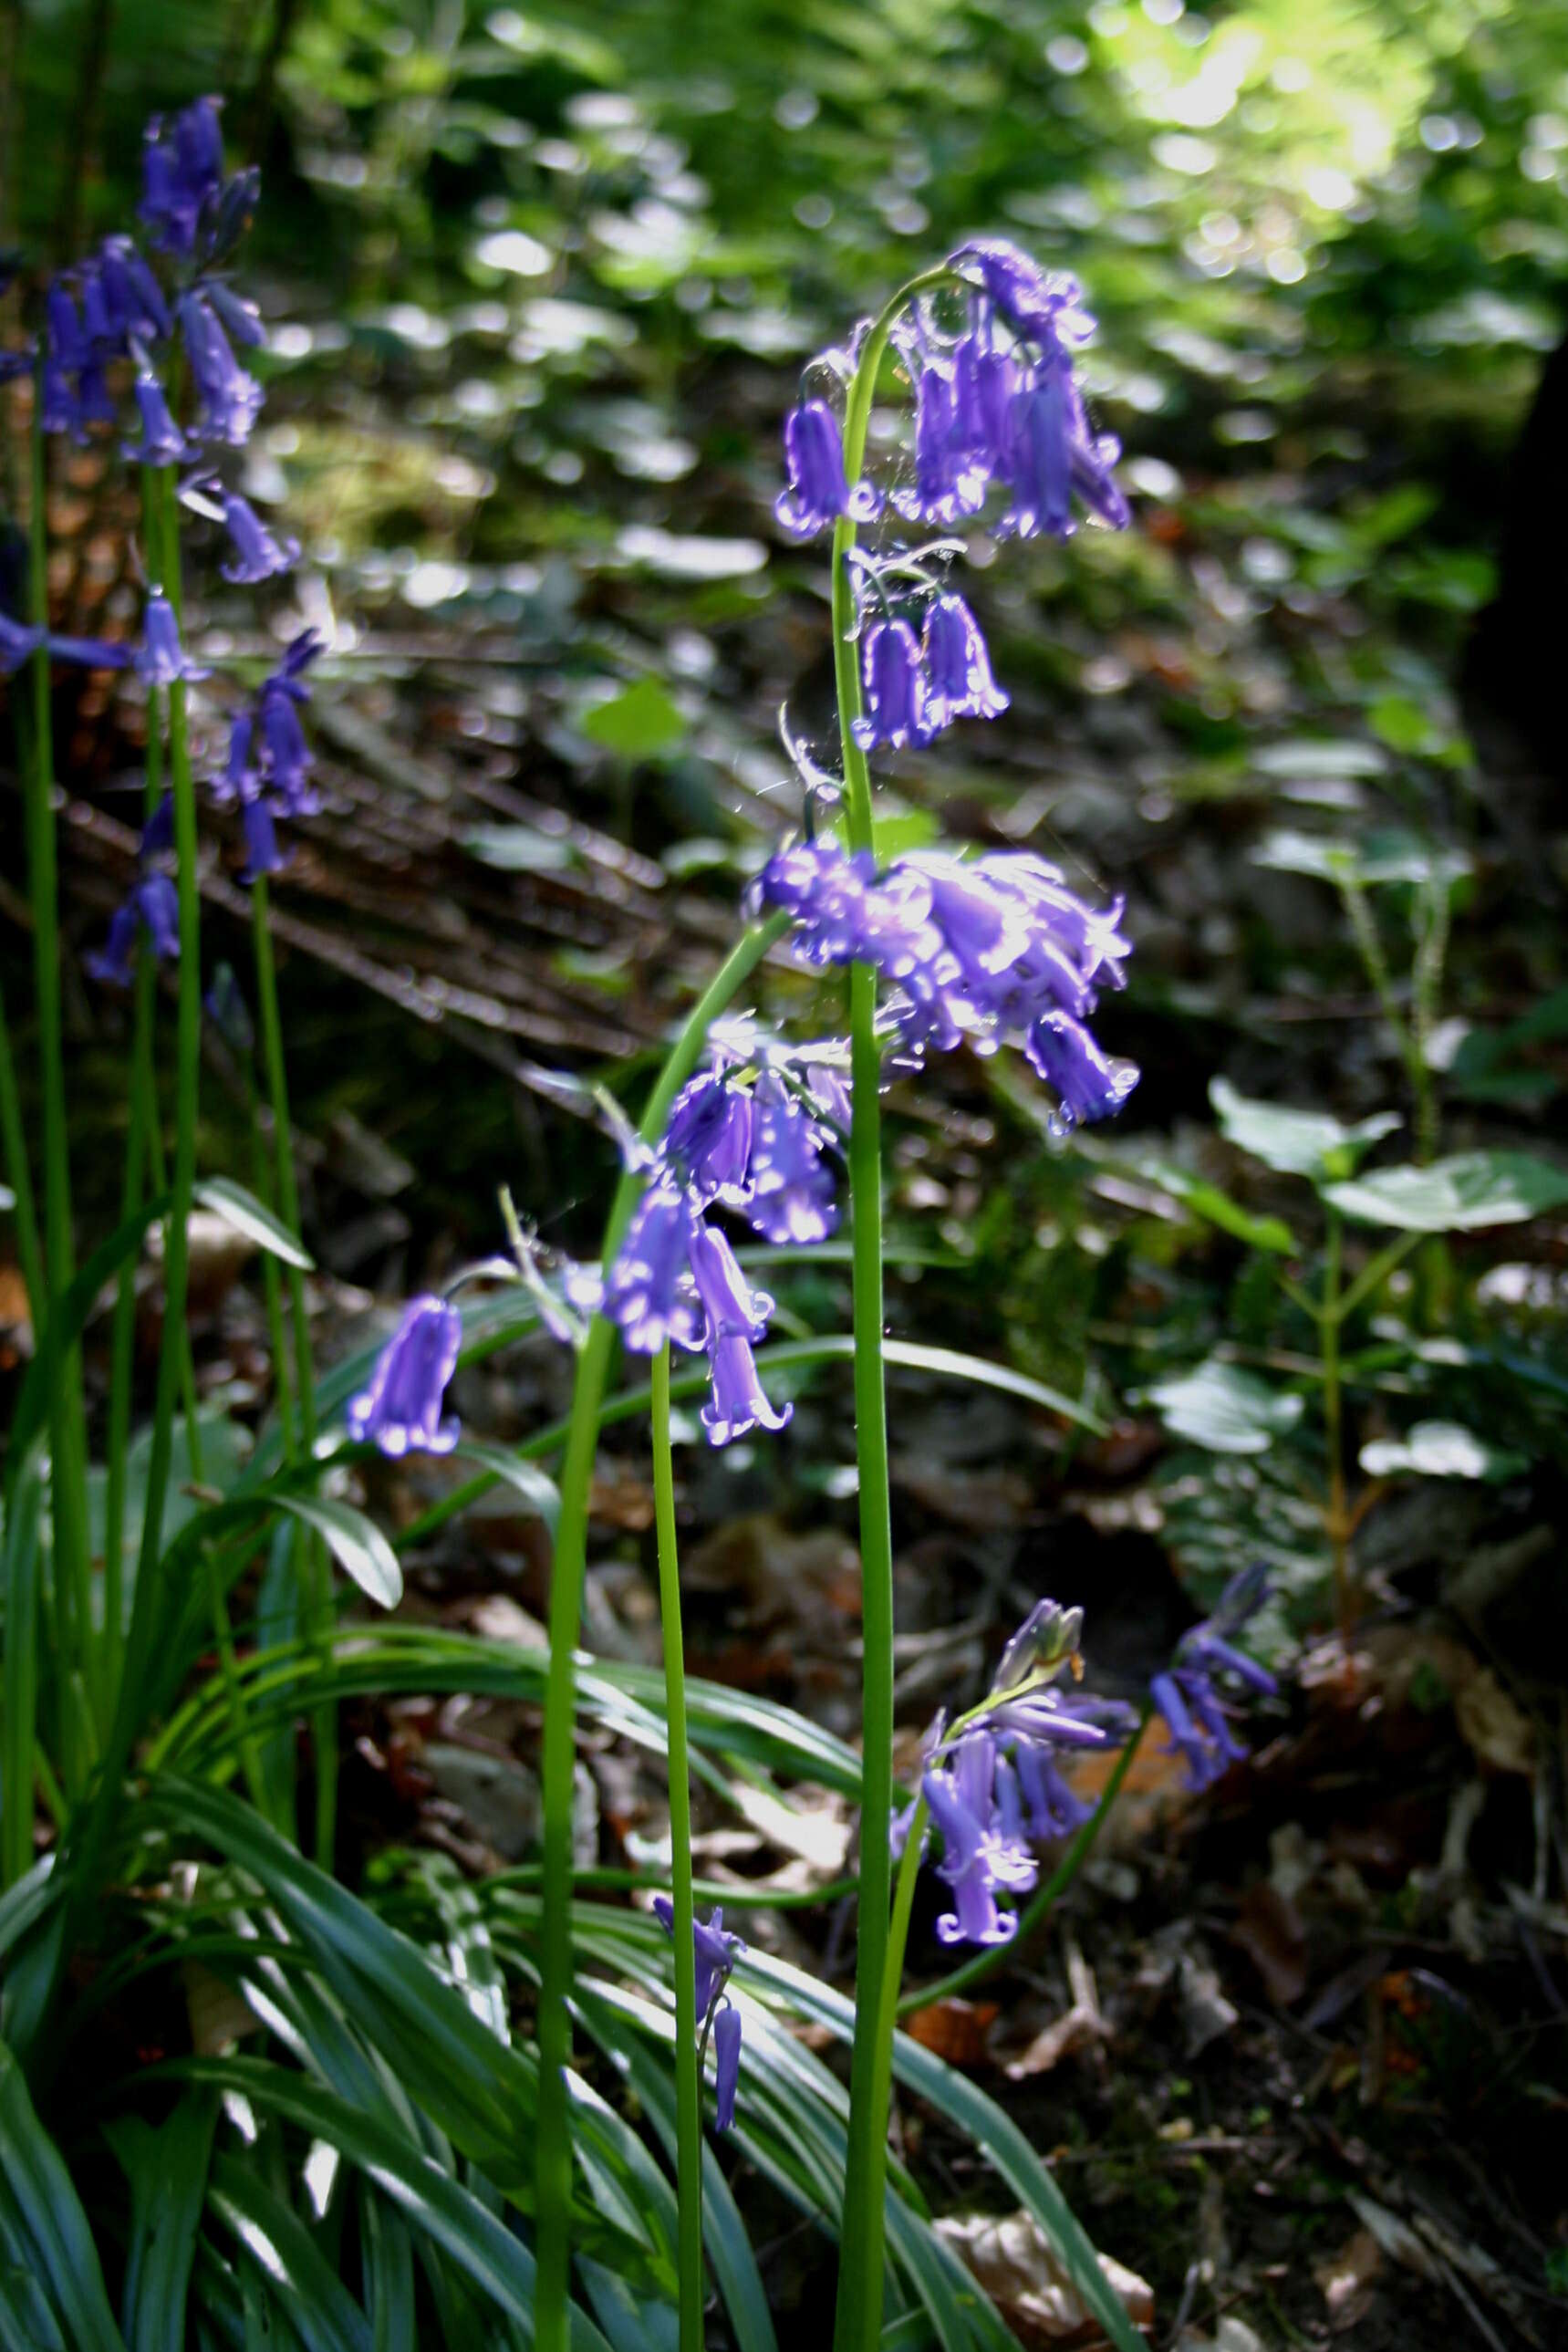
(400, 1411)
(1187, 1697)
(717, 1951)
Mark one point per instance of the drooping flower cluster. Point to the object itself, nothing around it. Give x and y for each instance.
(982, 951)
(122, 322)
(995, 1785)
(752, 1143)
(997, 405)
(151, 905)
(269, 769)
(716, 1953)
(1186, 1695)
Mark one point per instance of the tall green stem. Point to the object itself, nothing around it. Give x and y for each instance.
(553, 2145)
(688, 2090)
(18, 1170)
(68, 1487)
(858, 2321)
(1338, 1517)
(143, 1122)
(187, 1079)
(317, 1611)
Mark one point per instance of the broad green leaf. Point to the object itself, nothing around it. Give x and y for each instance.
(357, 1544)
(1296, 1142)
(44, 2231)
(1466, 1193)
(642, 723)
(252, 1218)
(1438, 1449)
(1226, 1409)
(1384, 858)
(1206, 1200)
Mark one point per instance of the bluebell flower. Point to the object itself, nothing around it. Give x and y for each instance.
(134, 300)
(1019, 417)
(241, 319)
(728, 1301)
(727, 2065)
(984, 380)
(895, 685)
(183, 174)
(161, 442)
(20, 642)
(648, 1291)
(738, 1401)
(67, 343)
(949, 472)
(401, 1409)
(995, 1784)
(161, 658)
(958, 681)
(709, 1137)
(151, 905)
(819, 492)
(983, 950)
(1088, 1084)
(286, 758)
(230, 399)
(717, 1952)
(979, 1854)
(258, 554)
(791, 1196)
(1186, 1695)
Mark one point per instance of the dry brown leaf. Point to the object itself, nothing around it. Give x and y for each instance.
(957, 2030)
(1078, 2025)
(1271, 1932)
(1346, 2278)
(219, 2015)
(1498, 1732)
(1013, 2259)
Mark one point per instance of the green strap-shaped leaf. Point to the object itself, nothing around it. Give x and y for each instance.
(251, 1217)
(43, 2229)
(270, 2234)
(356, 1543)
(167, 2167)
(488, 2253)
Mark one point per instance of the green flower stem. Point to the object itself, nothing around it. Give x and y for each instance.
(138, 1137)
(19, 1175)
(175, 1353)
(142, 1129)
(553, 2156)
(858, 2322)
(1045, 1898)
(1337, 1517)
(1409, 1040)
(316, 1596)
(67, 1425)
(688, 2089)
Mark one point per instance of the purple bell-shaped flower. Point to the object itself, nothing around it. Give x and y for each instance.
(401, 1409)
